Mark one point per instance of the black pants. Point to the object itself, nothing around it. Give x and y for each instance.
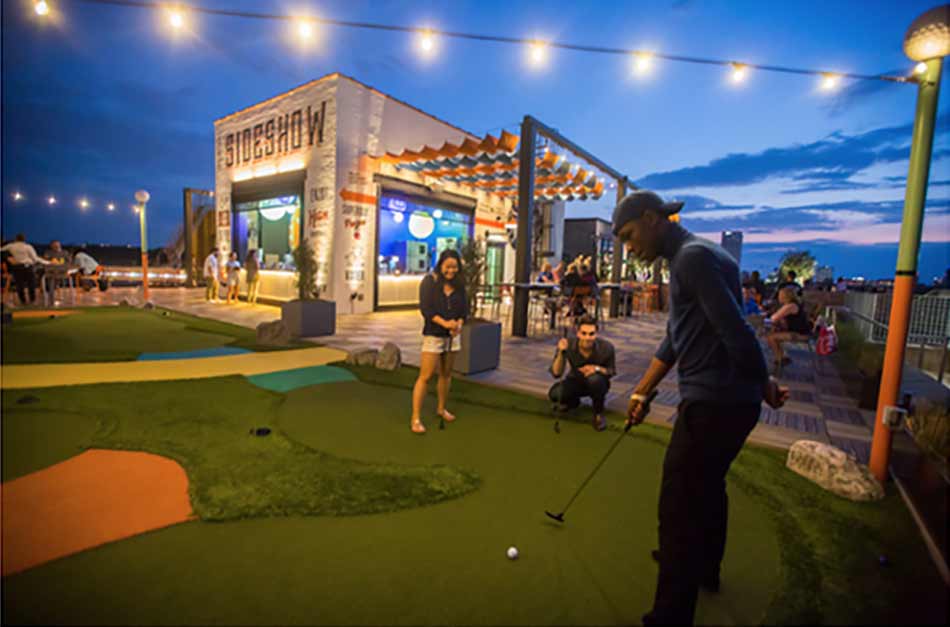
(25, 279)
(571, 390)
(694, 508)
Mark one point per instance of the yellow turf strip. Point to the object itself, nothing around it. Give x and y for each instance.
(49, 375)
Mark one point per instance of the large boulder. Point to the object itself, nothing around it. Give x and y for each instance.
(834, 470)
(389, 357)
(362, 357)
(274, 333)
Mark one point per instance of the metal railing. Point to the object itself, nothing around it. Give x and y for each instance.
(929, 317)
(922, 341)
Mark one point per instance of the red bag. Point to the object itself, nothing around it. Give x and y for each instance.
(827, 340)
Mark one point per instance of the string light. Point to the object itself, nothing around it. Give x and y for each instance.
(304, 29)
(83, 204)
(829, 81)
(642, 62)
(920, 68)
(176, 18)
(17, 196)
(426, 43)
(41, 8)
(739, 72)
(110, 206)
(51, 200)
(537, 52)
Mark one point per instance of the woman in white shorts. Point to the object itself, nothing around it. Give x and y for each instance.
(444, 306)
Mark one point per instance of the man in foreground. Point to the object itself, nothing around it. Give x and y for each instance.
(723, 379)
(592, 364)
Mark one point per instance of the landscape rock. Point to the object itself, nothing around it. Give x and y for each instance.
(362, 357)
(274, 333)
(389, 357)
(834, 470)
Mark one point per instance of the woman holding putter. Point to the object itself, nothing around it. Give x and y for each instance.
(444, 307)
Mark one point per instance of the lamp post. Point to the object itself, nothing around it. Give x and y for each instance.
(927, 41)
(141, 198)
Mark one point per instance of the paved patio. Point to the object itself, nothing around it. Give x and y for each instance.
(819, 408)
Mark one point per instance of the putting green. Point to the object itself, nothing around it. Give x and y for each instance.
(116, 334)
(36, 437)
(437, 564)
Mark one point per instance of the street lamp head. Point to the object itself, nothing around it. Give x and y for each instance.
(929, 35)
(142, 196)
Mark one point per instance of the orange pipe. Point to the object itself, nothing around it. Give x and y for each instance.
(893, 371)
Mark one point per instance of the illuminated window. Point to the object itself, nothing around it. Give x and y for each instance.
(271, 227)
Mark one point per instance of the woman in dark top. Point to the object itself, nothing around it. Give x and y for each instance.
(444, 307)
(789, 321)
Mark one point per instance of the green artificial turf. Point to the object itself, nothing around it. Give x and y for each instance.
(796, 553)
(205, 426)
(36, 436)
(117, 334)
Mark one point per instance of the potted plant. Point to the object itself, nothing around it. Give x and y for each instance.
(308, 315)
(481, 339)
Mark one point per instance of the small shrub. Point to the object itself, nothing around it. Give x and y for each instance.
(930, 426)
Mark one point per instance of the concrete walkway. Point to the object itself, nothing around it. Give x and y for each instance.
(49, 375)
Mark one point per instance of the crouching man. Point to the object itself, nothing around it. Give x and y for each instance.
(592, 364)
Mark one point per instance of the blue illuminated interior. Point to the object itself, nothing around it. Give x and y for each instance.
(412, 234)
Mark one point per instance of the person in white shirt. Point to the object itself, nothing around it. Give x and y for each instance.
(210, 271)
(22, 260)
(86, 263)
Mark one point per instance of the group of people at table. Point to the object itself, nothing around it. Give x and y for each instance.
(55, 267)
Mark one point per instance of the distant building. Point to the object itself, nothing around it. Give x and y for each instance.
(732, 242)
(824, 273)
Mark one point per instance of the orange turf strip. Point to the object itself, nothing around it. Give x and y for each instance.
(96, 497)
(44, 313)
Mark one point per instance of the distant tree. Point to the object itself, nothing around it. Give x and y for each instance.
(800, 261)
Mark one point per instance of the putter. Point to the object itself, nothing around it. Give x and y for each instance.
(560, 517)
(446, 345)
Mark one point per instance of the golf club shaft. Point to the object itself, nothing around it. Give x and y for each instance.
(594, 471)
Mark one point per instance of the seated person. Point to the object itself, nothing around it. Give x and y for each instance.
(789, 320)
(546, 276)
(87, 267)
(56, 271)
(592, 364)
(750, 304)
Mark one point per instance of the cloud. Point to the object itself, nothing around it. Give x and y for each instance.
(846, 218)
(828, 163)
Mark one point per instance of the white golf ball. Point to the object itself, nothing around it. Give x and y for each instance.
(512, 553)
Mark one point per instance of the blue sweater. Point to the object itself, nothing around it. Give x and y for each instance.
(719, 358)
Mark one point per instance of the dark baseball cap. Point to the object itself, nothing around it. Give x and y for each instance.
(634, 204)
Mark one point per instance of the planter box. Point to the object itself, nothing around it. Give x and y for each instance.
(309, 318)
(481, 347)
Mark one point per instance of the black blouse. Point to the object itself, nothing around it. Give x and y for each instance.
(433, 302)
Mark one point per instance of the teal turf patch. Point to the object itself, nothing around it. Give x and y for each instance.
(217, 351)
(287, 380)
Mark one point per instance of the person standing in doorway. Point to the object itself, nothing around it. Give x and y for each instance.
(723, 379)
(210, 270)
(444, 307)
(252, 266)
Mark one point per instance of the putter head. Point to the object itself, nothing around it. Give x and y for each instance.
(557, 517)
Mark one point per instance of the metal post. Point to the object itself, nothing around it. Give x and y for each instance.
(617, 265)
(519, 320)
(943, 359)
(188, 259)
(143, 229)
(907, 252)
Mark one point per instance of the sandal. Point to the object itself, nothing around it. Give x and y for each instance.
(446, 416)
(418, 427)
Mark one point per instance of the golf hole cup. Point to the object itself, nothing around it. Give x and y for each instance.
(512, 553)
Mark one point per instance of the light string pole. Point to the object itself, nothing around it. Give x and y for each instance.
(927, 41)
(141, 198)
